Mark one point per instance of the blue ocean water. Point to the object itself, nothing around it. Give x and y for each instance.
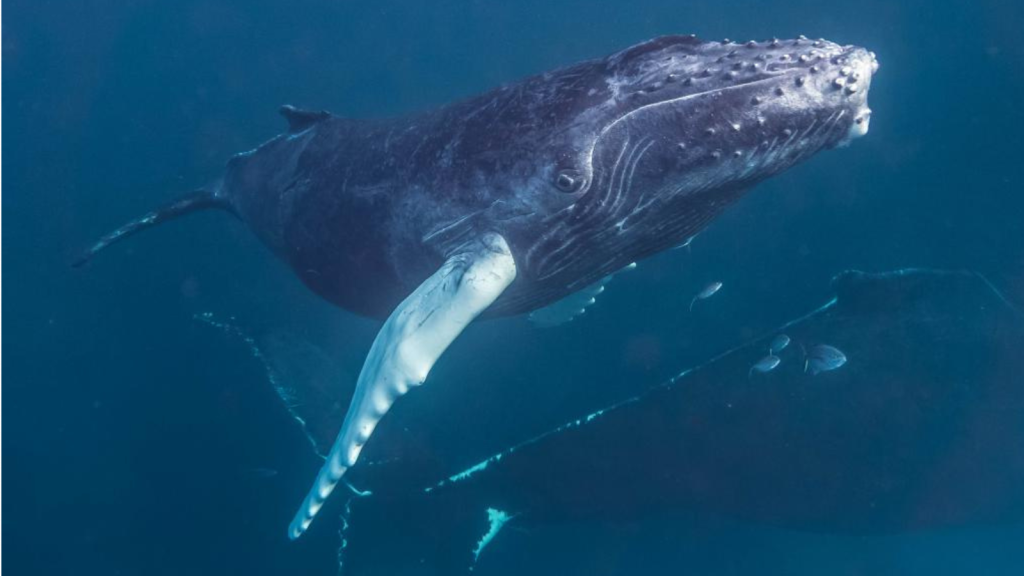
(142, 441)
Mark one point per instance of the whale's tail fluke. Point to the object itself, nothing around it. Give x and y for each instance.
(195, 201)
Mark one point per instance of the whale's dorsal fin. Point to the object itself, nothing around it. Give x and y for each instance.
(299, 119)
(406, 348)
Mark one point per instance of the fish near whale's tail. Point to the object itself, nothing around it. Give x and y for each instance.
(195, 201)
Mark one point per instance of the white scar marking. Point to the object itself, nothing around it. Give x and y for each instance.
(630, 166)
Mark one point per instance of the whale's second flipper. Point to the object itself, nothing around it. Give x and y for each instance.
(408, 345)
(574, 305)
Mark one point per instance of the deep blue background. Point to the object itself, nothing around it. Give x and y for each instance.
(131, 431)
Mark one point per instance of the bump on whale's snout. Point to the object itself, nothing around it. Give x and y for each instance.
(854, 80)
(828, 80)
(823, 81)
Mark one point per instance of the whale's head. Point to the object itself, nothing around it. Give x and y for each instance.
(657, 139)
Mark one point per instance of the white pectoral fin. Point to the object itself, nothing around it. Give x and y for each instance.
(408, 345)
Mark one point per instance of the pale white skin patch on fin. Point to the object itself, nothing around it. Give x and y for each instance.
(406, 348)
(573, 305)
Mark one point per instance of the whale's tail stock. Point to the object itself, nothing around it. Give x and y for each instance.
(195, 201)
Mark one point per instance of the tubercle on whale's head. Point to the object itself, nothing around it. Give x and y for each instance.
(686, 126)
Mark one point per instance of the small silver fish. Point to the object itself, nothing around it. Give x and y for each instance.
(262, 472)
(707, 292)
(778, 344)
(766, 364)
(823, 358)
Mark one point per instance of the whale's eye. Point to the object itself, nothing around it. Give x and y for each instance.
(568, 181)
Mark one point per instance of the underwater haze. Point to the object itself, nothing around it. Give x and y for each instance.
(144, 430)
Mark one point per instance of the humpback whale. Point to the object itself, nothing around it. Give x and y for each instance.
(511, 200)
